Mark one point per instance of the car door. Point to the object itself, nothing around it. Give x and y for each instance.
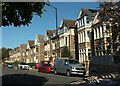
(64, 66)
(41, 67)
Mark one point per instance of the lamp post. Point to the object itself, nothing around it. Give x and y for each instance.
(56, 13)
(56, 28)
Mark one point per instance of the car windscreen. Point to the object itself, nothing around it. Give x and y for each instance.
(73, 62)
(23, 64)
(9, 63)
(47, 65)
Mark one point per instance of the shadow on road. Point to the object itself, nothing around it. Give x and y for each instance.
(23, 79)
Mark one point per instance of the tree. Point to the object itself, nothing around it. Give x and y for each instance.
(5, 53)
(20, 13)
(66, 52)
(112, 10)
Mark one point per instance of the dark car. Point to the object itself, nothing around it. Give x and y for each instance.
(45, 68)
(104, 64)
(31, 64)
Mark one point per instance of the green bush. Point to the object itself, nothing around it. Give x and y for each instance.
(66, 53)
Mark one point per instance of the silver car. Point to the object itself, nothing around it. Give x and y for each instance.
(68, 66)
(23, 66)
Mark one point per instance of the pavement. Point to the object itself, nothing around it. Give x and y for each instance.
(112, 79)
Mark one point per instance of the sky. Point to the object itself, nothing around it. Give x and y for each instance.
(12, 36)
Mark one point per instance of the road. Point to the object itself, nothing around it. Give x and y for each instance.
(11, 76)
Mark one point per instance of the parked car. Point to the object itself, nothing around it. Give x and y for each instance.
(68, 67)
(10, 65)
(31, 64)
(104, 64)
(5, 64)
(38, 64)
(23, 66)
(45, 68)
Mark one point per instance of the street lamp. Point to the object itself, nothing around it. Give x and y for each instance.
(56, 26)
(56, 13)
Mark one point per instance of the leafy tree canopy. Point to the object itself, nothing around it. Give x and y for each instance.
(5, 53)
(66, 52)
(20, 13)
(112, 10)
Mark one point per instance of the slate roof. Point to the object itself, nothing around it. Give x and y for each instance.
(31, 43)
(69, 23)
(41, 38)
(23, 46)
(50, 32)
(90, 12)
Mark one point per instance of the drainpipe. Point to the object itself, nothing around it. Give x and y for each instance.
(76, 44)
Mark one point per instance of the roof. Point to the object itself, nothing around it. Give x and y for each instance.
(31, 43)
(100, 21)
(50, 32)
(17, 48)
(69, 23)
(41, 38)
(90, 12)
(23, 46)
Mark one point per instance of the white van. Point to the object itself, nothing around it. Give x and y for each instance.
(68, 66)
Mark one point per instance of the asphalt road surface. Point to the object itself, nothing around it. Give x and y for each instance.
(11, 76)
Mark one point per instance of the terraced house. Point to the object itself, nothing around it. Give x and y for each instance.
(22, 49)
(55, 45)
(84, 23)
(39, 48)
(102, 35)
(48, 44)
(66, 33)
(30, 51)
(14, 55)
(18, 54)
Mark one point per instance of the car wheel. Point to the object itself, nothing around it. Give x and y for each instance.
(45, 71)
(84, 74)
(38, 70)
(55, 72)
(68, 73)
(20, 68)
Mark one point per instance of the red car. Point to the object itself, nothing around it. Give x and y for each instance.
(45, 68)
(5, 64)
(38, 64)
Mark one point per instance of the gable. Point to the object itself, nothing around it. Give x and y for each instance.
(28, 47)
(36, 40)
(96, 18)
(46, 36)
(79, 16)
